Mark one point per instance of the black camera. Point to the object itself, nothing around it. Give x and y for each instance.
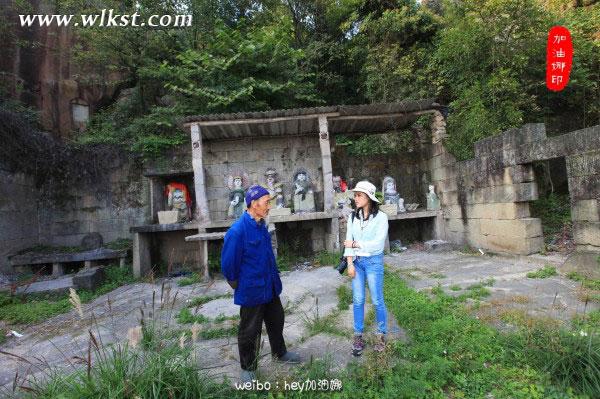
(341, 267)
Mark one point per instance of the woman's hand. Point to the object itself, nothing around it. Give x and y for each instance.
(351, 270)
(351, 244)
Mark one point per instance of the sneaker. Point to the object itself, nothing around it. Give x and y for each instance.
(358, 345)
(247, 376)
(289, 357)
(380, 345)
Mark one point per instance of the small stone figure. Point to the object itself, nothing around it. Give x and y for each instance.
(304, 199)
(279, 198)
(237, 184)
(178, 199)
(275, 189)
(341, 197)
(401, 208)
(433, 202)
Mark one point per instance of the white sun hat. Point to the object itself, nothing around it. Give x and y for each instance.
(367, 188)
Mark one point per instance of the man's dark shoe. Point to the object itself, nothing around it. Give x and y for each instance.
(358, 345)
(247, 376)
(289, 357)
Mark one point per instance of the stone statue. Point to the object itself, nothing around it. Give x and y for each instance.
(341, 196)
(275, 188)
(304, 199)
(390, 195)
(178, 199)
(433, 202)
(401, 208)
(237, 183)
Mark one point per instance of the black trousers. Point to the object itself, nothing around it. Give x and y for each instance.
(252, 318)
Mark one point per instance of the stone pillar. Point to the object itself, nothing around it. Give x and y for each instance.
(57, 269)
(326, 164)
(202, 213)
(141, 254)
(333, 235)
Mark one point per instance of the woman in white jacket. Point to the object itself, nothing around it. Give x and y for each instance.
(365, 239)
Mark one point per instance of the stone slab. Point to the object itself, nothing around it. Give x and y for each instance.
(584, 263)
(59, 285)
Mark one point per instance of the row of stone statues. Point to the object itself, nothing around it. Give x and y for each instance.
(391, 197)
(303, 199)
(303, 194)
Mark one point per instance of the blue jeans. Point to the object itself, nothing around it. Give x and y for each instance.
(371, 269)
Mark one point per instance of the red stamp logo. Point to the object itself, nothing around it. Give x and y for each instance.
(559, 58)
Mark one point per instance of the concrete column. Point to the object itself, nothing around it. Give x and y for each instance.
(141, 254)
(273, 231)
(439, 227)
(202, 213)
(326, 163)
(204, 259)
(333, 235)
(57, 269)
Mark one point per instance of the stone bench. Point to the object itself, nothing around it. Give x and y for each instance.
(59, 259)
(204, 238)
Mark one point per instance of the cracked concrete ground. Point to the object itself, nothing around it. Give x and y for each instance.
(306, 293)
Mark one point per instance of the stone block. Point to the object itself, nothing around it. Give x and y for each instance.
(89, 279)
(586, 210)
(514, 245)
(473, 233)
(455, 225)
(584, 187)
(583, 164)
(511, 210)
(438, 246)
(521, 192)
(579, 141)
(456, 237)
(449, 198)
(452, 212)
(586, 233)
(519, 228)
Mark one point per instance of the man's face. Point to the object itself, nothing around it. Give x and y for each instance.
(390, 186)
(237, 182)
(301, 177)
(261, 206)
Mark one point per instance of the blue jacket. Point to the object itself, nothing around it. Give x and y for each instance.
(248, 257)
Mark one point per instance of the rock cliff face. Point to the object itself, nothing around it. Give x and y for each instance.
(36, 66)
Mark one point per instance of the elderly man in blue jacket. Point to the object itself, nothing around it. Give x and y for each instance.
(248, 264)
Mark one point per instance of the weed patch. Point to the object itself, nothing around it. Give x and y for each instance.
(545, 272)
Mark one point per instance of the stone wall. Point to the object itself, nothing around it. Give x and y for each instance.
(486, 199)
(584, 185)
(28, 218)
(255, 155)
(19, 225)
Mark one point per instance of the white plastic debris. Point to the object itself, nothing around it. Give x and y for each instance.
(481, 251)
(14, 334)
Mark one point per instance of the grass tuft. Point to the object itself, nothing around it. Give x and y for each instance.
(545, 272)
